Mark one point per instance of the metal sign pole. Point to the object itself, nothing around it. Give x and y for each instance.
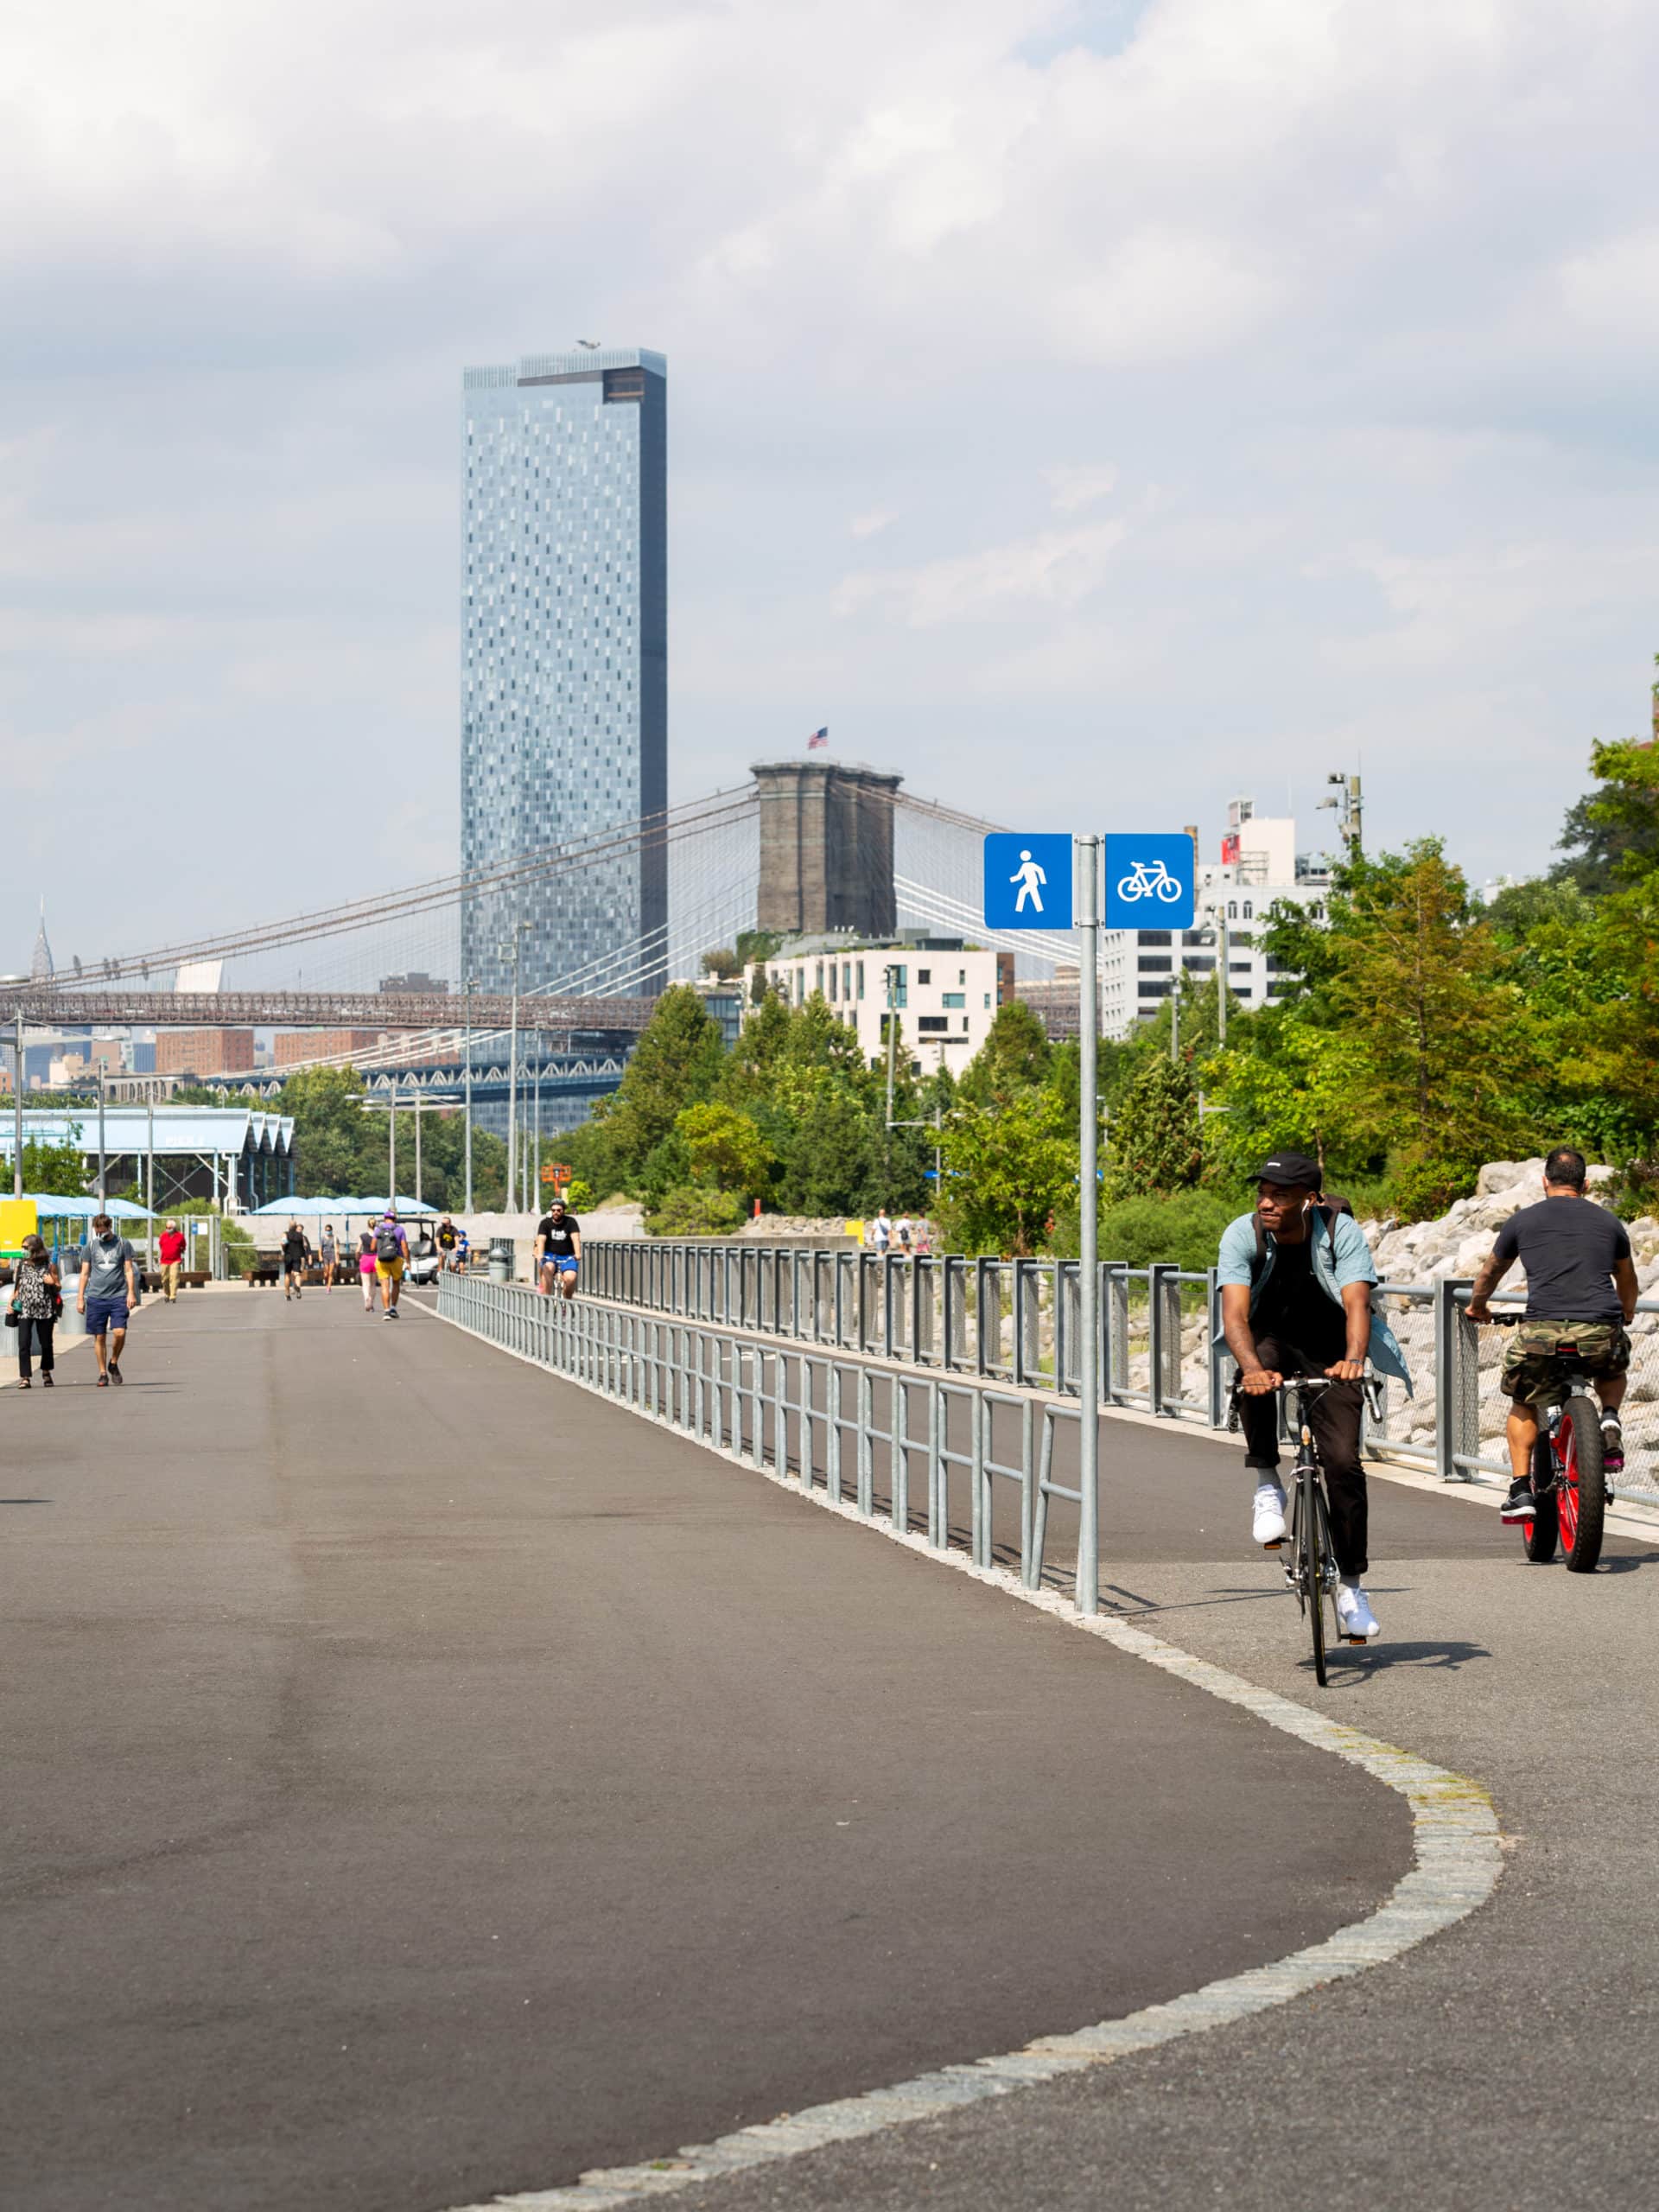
(17, 1112)
(466, 993)
(1088, 919)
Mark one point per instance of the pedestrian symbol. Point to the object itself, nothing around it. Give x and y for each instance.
(1027, 880)
(1031, 880)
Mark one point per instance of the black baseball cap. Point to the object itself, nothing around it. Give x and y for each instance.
(1289, 1168)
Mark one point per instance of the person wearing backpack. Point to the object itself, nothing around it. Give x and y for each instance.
(366, 1267)
(391, 1250)
(1296, 1277)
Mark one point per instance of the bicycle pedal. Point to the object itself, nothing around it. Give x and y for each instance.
(1277, 1545)
(1358, 1640)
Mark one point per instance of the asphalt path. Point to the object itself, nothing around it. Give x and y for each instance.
(1508, 2062)
(424, 1780)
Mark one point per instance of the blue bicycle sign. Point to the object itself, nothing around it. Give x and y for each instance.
(1149, 882)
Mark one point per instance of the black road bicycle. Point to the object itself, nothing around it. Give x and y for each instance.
(1570, 1492)
(1311, 1565)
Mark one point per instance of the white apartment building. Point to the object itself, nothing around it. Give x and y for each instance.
(945, 992)
(1259, 865)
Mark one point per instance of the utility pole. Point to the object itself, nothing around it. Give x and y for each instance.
(1088, 912)
(103, 1165)
(536, 1181)
(467, 989)
(391, 1151)
(1226, 991)
(519, 929)
(419, 1193)
(150, 1171)
(17, 1111)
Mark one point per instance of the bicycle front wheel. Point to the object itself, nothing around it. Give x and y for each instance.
(1580, 1488)
(1312, 1568)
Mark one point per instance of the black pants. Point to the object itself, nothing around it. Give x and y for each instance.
(1334, 1416)
(39, 1333)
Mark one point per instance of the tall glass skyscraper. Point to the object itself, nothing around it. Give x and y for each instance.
(564, 661)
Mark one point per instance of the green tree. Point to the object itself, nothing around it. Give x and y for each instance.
(1007, 1169)
(1153, 1143)
(726, 1151)
(56, 1170)
(1016, 1056)
(677, 1064)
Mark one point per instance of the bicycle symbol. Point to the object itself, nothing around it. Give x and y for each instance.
(1147, 880)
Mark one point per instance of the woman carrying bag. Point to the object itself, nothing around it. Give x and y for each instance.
(36, 1302)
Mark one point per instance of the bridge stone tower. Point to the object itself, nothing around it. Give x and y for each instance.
(826, 848)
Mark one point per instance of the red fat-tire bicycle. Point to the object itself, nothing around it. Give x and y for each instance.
(1569, 1484)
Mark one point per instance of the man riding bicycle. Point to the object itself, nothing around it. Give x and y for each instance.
(1582, 1291)
(1296, 1278)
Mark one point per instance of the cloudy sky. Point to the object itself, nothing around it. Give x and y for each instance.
(1091, 409)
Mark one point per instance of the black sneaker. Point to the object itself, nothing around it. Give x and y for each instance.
(1519, 1504)
(115, 1372)
(1612, 1448)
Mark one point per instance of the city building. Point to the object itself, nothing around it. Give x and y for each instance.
(723, 1002)
(204, 1052)
(290, 1046)
(1057, 1001)
(564, 664)
(1258, 868)
(944, 991)
(826, 848)
(233, 1156)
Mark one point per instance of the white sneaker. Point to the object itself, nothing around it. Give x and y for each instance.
(1268, 1517)
(1354, 1614)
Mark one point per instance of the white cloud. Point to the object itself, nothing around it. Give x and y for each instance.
(1073, 487)
(1360, 300)
(1056, 568)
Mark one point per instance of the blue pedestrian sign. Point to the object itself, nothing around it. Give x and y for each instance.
(1027, 880)
(1149, 882)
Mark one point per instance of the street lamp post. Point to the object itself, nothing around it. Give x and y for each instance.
(520, 929)
(103, 1164)
(420, 1195)
(17, 1111)
(467, 989)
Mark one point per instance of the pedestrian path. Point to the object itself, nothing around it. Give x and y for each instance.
(426, 1780)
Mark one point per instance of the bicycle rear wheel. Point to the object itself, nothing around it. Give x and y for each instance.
(1540, 1535)
(1580, 1488)
(1312, 1568)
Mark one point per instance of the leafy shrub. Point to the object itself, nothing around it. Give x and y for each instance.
(1422, 1190)
(1184, 1229)
(690, 1211)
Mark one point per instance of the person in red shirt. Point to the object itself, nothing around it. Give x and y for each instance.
(171, 1251)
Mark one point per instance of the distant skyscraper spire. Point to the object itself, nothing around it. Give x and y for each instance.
(39, 967)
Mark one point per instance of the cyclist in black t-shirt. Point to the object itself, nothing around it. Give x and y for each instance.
(1581, 1290)
(558, 1249)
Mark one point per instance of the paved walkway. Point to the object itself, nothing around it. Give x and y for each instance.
(424, 1780)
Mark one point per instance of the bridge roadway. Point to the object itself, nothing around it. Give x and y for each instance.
(282, 1009)
(426, 1781)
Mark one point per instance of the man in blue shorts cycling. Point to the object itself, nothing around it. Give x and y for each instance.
(558, 1249)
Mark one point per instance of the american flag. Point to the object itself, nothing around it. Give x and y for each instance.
(818, 739)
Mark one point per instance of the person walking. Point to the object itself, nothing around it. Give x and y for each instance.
(36, 1302)
(366, 1267)
(296, 1251)
(329, 1252)
(170, 1251)
(108, 1292)
(391, 1252)
(880, 1232)
(448, 1235)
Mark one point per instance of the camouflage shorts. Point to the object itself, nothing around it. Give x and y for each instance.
(1536, 1359)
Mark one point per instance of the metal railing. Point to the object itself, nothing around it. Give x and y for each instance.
(882, 1438)
(1015, 1322)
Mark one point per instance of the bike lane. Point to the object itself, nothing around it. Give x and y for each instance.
(1507, 2060)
